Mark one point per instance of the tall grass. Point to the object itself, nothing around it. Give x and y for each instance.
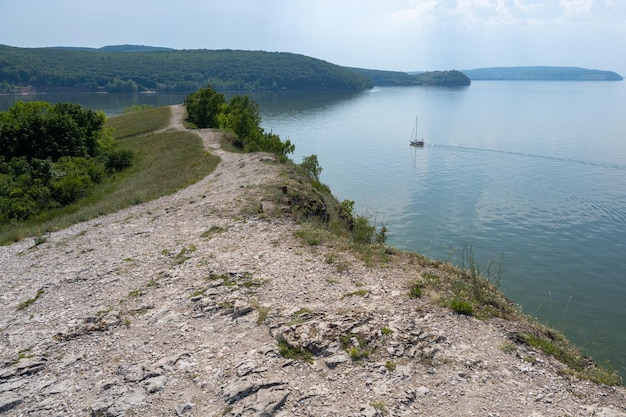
(467, 291)
(139, 122)
(164, 163)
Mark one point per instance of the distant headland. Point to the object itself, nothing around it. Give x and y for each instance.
(542, 73)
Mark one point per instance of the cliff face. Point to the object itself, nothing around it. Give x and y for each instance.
(205, 303)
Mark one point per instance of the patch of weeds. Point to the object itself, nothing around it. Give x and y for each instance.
(431, 278)
(39, 240)
(24, 354)
(128, 259)
(362, 231)
(310, 236)
(356, 345)
(126, 322)
(135, 293)
(198, 293)
(416, 290)
(252, 209)
(245, 279)
(342, 266)
(229, 282)
(556, 345)
(296, 353)
(212, 230)
(380, 406)
(360, 293)
(386, 331)
(462, 307)
(182, 255)
(263, 311)
(530, 359)
(303, 311)
(301, 316)
(141, 310)
(391, 366)
(331, 281)
(217, 277)
(151, 283)
(27, 303)
(508, 347)
(104, 312)
(252, 283)
(226, 305)
(357, 354)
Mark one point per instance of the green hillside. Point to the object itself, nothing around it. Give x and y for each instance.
(131, 69)
(397, 78)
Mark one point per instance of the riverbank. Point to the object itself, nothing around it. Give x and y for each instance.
(188, 305)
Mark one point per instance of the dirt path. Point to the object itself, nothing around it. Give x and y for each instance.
(210, 137)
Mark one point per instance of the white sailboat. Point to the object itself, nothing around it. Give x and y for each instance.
(414, 140)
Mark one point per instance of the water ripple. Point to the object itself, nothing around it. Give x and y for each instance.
(531, 155)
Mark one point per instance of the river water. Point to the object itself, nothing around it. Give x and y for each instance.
(531, 175)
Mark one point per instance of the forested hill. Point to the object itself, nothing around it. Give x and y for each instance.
(542, 73)
(129, 69)
(397, 78)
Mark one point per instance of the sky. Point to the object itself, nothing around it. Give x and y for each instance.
(402, 35)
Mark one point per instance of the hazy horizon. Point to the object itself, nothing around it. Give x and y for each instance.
(398, 35)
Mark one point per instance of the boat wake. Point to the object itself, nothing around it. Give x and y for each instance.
(531, 155)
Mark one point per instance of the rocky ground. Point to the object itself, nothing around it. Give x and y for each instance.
(177, 307)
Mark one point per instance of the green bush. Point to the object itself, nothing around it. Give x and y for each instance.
(362, 231)
(462, 307)
(119, 159)
(204, 107)
(312, 167)
(416, 290)
(69, 189)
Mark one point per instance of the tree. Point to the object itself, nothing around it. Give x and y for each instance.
(42, 130)
(312, 166)
(203, 107)
(241, 117)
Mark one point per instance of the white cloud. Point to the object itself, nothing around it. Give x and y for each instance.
(575, 7)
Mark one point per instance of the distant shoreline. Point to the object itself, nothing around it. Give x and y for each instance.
(541, 73)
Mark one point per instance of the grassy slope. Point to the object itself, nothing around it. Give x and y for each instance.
(184, 164)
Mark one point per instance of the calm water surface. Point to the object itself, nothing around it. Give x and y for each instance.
(530, 172)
